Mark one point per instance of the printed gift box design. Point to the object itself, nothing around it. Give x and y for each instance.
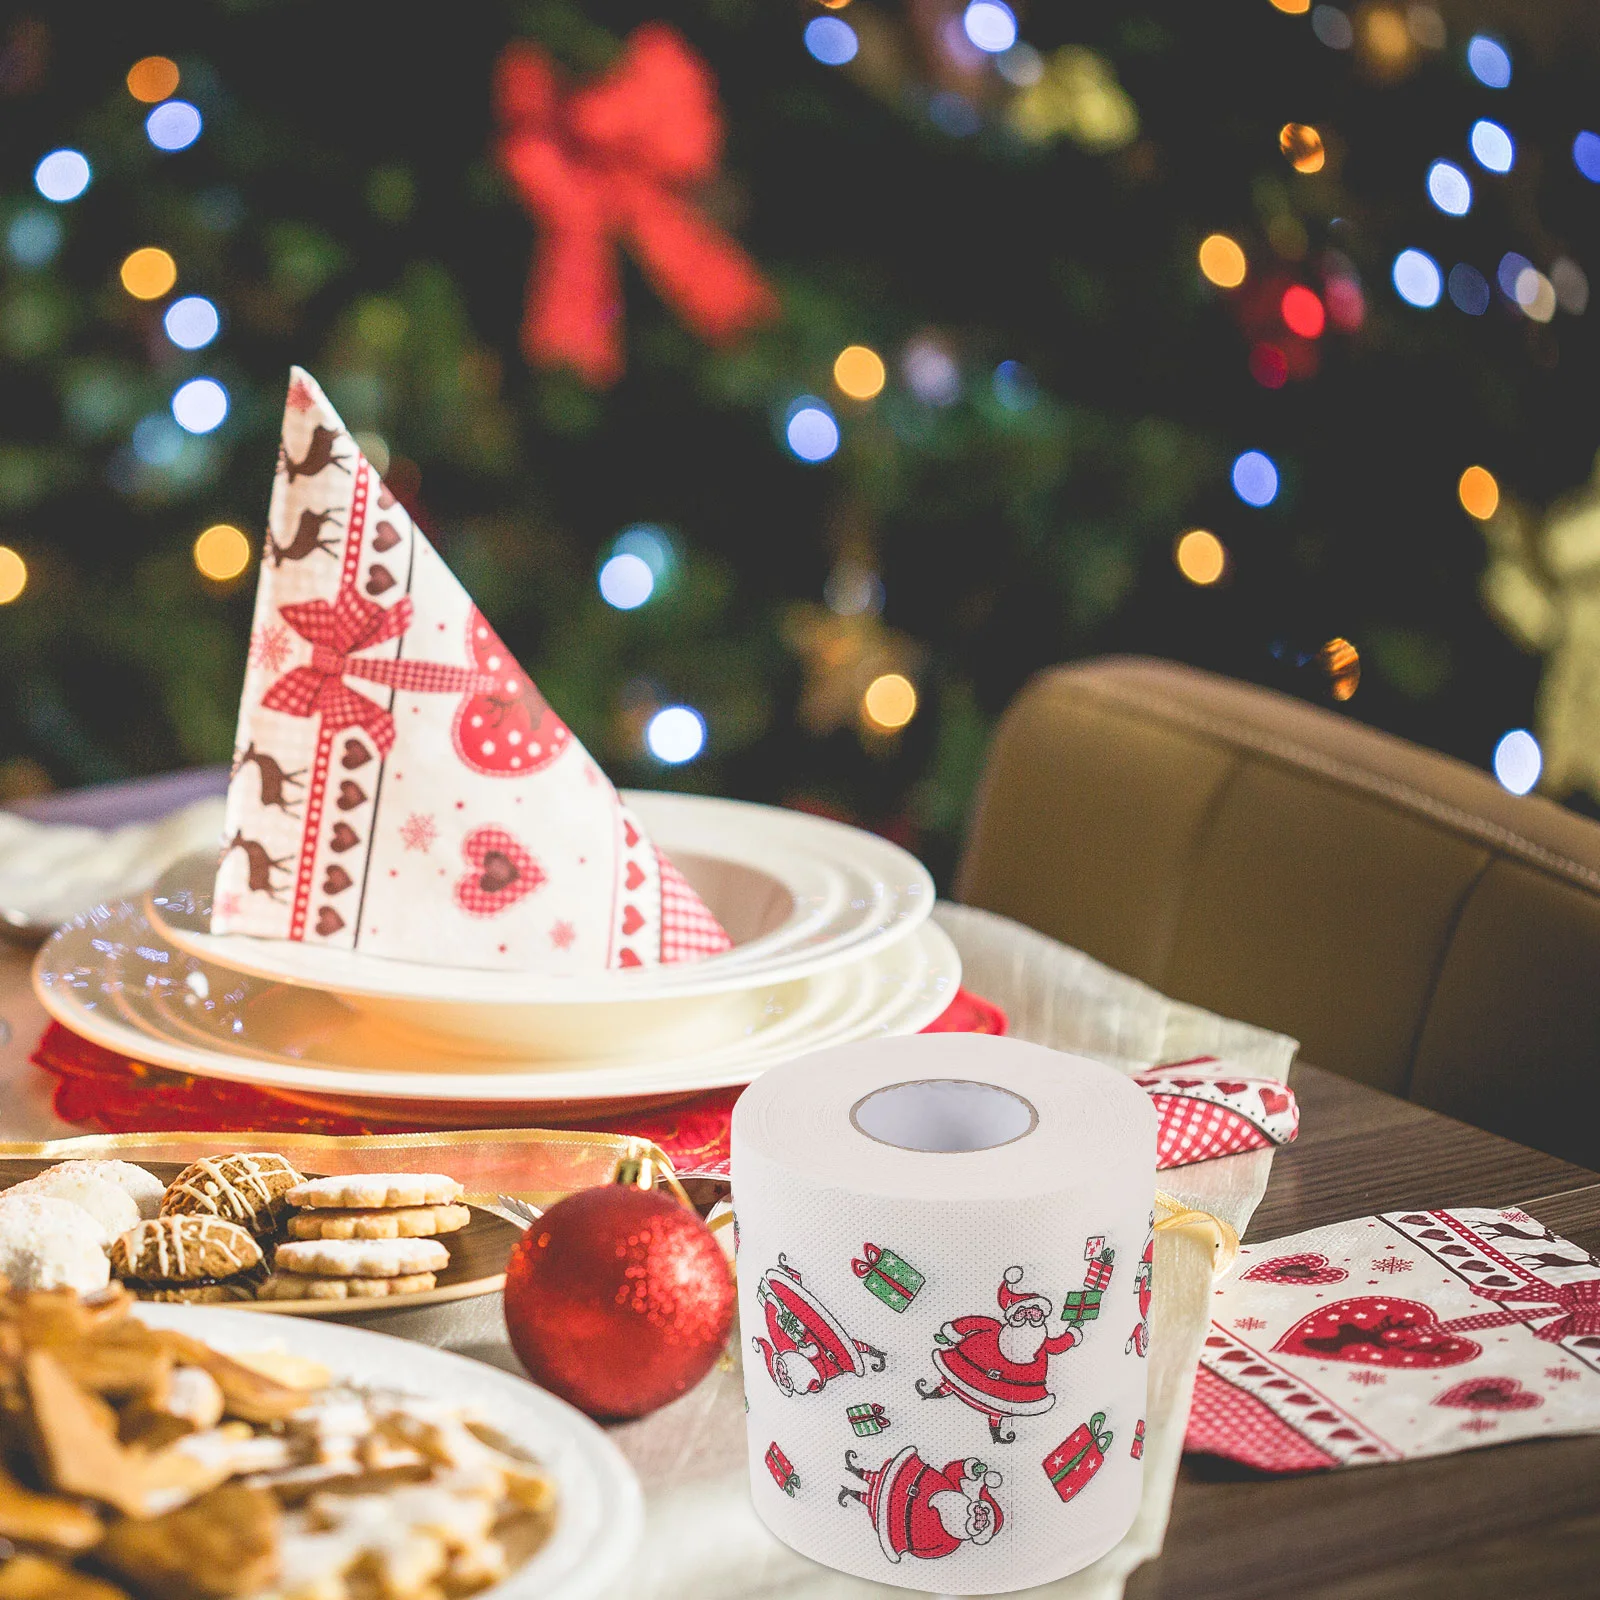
(1079, 1456)
(888, 1276)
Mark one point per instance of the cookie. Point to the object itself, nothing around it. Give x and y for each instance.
(248, 1189)
(145, 1189)
(111, 1207)
(196, 1294)
(184, 1249)
(360, 1258)
(47, 1243)
(294, 1286)
(371, 1191)
(402, 1222)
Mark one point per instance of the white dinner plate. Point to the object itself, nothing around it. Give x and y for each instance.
(111, 978)
(601, 1511)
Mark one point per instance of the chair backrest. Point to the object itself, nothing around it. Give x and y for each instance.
(1414, 925)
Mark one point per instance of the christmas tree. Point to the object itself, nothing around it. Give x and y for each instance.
(983, 338)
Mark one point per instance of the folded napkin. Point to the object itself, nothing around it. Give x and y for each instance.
(1209, 1108)
(1411, 1334)
(400, 786)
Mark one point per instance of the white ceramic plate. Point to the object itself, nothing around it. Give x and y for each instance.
(602, 1509)
(109, 977)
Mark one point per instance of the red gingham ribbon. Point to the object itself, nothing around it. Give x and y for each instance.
(1579, 1301)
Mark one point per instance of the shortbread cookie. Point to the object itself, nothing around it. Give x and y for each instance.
(295, 1286)
(177, 1250)
(401, 1222)
(112, 1208)
(371, 1191)
(145, 1189)
(197, 1294)
(50, 1244)
(360, 1258)
(249, 1189)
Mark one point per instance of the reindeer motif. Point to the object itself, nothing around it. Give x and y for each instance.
(261, 865)
(307, 538)
(273, 778)
(319, 454)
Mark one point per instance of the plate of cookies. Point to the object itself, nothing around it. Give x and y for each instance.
(251, 1231)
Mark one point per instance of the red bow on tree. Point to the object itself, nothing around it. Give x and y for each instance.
(610, 163)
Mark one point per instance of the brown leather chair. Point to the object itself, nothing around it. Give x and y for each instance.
(1414, 925)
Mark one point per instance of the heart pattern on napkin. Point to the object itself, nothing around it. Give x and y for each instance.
(1307, 1267)
(1490, 1394)
(1378, 1331)
(508, 731)
(499, 872)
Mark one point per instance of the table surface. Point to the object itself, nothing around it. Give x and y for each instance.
(1518, 1520)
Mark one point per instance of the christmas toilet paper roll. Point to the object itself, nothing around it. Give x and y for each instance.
(944, 1285)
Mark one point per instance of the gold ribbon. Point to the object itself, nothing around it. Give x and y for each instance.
(1173, 1216)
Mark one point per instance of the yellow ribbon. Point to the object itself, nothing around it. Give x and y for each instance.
(1173, 1216)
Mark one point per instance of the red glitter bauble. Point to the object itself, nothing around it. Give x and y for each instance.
(619, 1300)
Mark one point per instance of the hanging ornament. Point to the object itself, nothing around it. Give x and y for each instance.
(611, 164)
(619, 1298)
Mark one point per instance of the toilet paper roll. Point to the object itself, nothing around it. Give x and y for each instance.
(944, 1253)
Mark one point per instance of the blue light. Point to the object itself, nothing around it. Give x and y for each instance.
(954, 114)
(626, 582)
(676, 734)
(1518, 761)
(651, 544)
(990, 25)
(157, 440)
(1511, 267)
(200, 405)
(1416, 279)
(1449, 189)
(63, 175)
(1332, 27)
(34, 237)
(173, 125)
(1469, 289)
(812, 433)
(192, 322)
(831, 40)
(1490, 64)
(1014, 386)
(1586, 155)
(1493, 146)
(1255, 479)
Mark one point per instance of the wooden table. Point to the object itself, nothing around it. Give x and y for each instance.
(1512, 1522)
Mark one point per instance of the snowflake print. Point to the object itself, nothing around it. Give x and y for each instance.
(1390, 1264)
(1561, 1374)
(1365, 1378)
(1249, 1324)
(270, 647)
(1479, 1425)
(419, 831)
(562, 935)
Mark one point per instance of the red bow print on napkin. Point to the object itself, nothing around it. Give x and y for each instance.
(612, 163)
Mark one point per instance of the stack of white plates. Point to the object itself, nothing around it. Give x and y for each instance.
(832, 943)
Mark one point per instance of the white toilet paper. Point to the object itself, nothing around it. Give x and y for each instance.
(944, 1280)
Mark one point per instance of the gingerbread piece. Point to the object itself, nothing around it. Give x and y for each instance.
(225, 1543)
(186, 1251)
(248, 1189)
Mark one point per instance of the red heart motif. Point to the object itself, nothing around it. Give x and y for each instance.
(379, 580)
(384, 537)
(1454, 1250)
(1344, 1433)
(344, 837)
(1231, 1087)
(506, 731)
(1379, 1332)
(1278, 1383)
(1415, 1221)
(1322, 1416)
(499, 872)
(336, 880)
(1490, 1394)
(1303, 1268)
(630, 835)
(351, 795)
(1257, 1371)
(1237, 1355)
(355, 755)
(632, 919)
(1299, 1398)
(385, 495)
(1215, 1341)
(1365, 1450)
(626, 958)
(1273, 1101)
(634, 876)
(328, 921)
(1183, 1083)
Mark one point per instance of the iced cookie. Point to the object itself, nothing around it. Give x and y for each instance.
(248, 1189)
(295, 1286)
(143, 1188)
(400, 1222)
(372, 1191)
(112, 1208)
(188, 1258)
(360, 1258)
(47, 1243)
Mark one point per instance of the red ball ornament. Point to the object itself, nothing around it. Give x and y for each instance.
(618, 1299)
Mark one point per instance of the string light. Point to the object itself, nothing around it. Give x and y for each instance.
(1586, 155)
(1222, 262)
(1571, 285)
(1269, 366)
(1488, 61)
(859, 372)
(33, 237)
(831, 40)
(1535, 294)
(1302, 312)
(1302, 147)
(1493, 147)
(157, 440)
(200, 405)
(221, 552)
(626, 581)
(173, 126)
(1332, 27)
(148, 273)
(1014, 386)
(1340, 660)
(991, 25)
(1449, 188)
(62, 176)
(1512, 266)
(1292, 8)
(1478, 492)
(1469, 289)
(1416, 279)
(811, 431)
(890, 701)
(1200, 556)
(192, 322)
(676, 734)
(1518, 761)
(1255, 478)
(13, 575)
(154, 78)
(650, 543)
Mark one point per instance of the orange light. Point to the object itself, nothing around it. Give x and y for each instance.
(1222, 261)
(221, 552)
(1302, 312)
(1292, 8)
(890, 701)
(13, 574)
(147, 274)
(859, 372)
(1200, 556)
(1479, 493)
(1302, 147)
(154, 78)
(1340, 660)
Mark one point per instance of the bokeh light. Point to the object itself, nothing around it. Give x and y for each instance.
(147, 274)
(1302, 147)
(1200, 556)
(930, 372)
(811, 431)
(1269, 366)
(626, 581)
(13, 575)
(1416, 279)
(859, 372)
(1518, 761)
(1255, 478)
(1493, 148)
(1488, 61)
(63, 175)
(1449, 188)
(33, 236)
(192, 322)
(1469, 289)
(1535, 294)
(991, 25)
(1478, 492)
(221, 552)
(1571, 285)
(1021, 66)
(157, 440)
(1015, 387)
(152, 79)
(676, 734)
(173, 126)
(1292, 8)
(1332, 27)
(200, 405)
(890, 701)
(1586, 155)
(1222, 262)
(1512, 266)
(1303, 312)
(1340, 660)
(831, 40)
(650, 543)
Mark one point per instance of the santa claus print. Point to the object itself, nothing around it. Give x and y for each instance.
(1000, 1365)
(926, 1511)
(1143, 1277)
(806, 1347)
